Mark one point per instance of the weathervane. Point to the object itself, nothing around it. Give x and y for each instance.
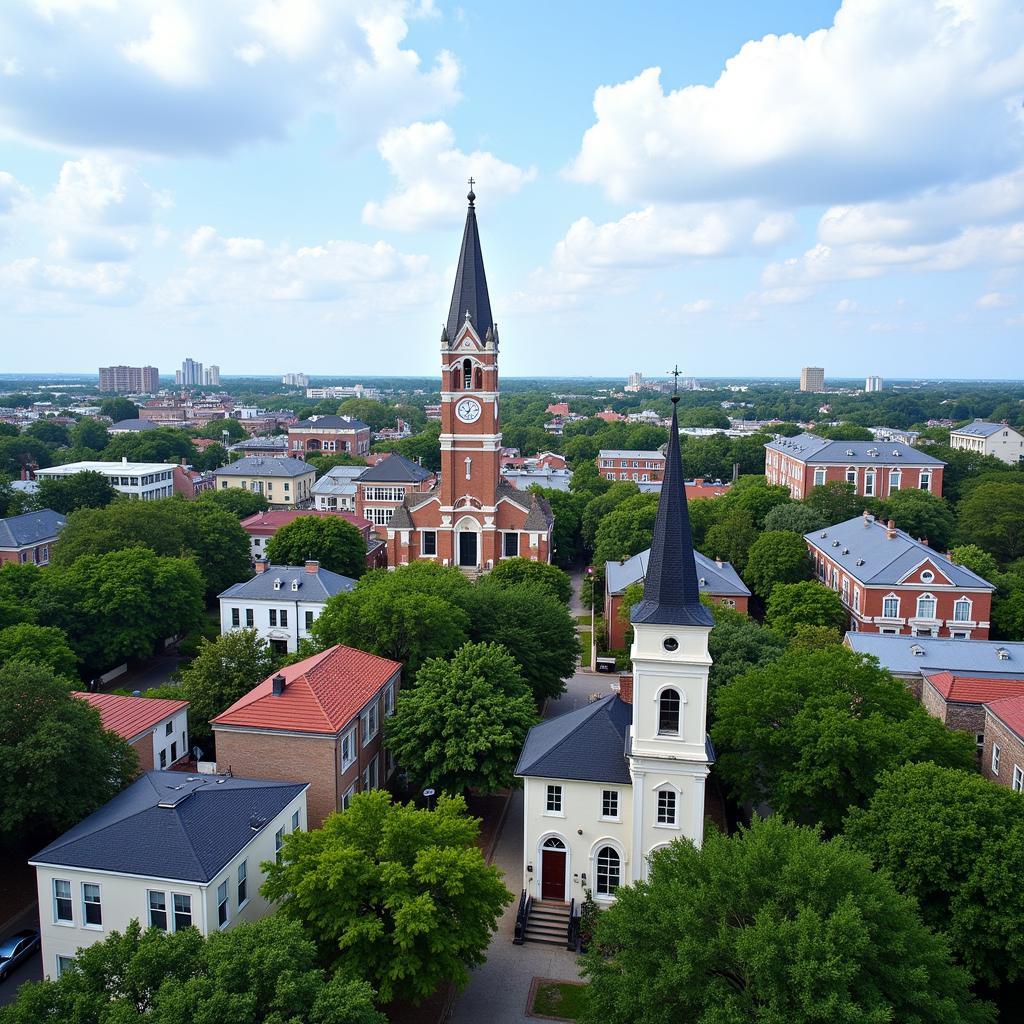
(675, 383)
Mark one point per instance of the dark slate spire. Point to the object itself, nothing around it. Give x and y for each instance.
(470, 281)
(671, 593)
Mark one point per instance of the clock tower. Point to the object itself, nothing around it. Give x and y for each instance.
(472, 517)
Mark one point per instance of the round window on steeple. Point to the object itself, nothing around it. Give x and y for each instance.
(670, 644)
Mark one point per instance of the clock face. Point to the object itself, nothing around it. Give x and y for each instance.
(468, 410)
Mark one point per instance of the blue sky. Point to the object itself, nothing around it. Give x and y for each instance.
(741, 187)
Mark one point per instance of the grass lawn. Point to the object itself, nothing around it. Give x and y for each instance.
(562, 999)
(584, 619)
(586, 639)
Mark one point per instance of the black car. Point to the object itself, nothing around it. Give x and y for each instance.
(15, 949)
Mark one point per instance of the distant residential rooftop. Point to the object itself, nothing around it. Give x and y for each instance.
(813, 449)
(258, 465)
(981, 428)
(107, 468)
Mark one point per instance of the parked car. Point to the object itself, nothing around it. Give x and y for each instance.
(16, 949)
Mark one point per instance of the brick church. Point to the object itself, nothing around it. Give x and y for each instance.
(471, 517)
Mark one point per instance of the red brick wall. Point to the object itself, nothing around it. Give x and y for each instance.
(799, 476)
(1011, 751)
(617, 628)
(144, 748)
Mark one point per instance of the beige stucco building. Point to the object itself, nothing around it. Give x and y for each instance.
(285, 483)
(998, 439)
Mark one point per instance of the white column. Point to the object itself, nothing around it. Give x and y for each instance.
(639, 784)
(698, 811)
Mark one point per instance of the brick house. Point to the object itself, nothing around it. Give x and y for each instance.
(261, 526)
(471, 517)
(875, 468)
(643, 467)
(891, 583)
(30, 537)
(317, 720)
(959, 701)
(285, 483)
(156, 728)
(382, 487)
(1002, 759)
(719, 580)
(329, 434)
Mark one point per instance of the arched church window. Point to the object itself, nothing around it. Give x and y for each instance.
(609, 871)
(668, 712)
(478, 377)
(467, 374)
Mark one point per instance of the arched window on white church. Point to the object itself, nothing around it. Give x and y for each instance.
(668, 713)
(609, 871)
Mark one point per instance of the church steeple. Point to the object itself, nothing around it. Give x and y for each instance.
(671, 592)
(470, 294)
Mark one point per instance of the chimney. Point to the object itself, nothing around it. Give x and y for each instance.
(278, 683)
(312, 565)
(261, 564)
(626, 688)
(923, 540)
(719, 562)
(124, 459)
(890, 529)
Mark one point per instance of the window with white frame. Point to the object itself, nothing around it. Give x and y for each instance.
(846, 591)
(669, 708)
(428, 542)
(851, 476)
(157, 904)
(962, 609)
(856, 599)
(895, 477)
(346, 797)
(348, 749)
(1017, 783)
(92, 908)
(370, 722)
(995, 758)
(236, 618)
(890, 607)
(926, 606)
(242, 885)
(925, 482)
(379, 516)
(609, 871)
(869, 483)
(63, 963)
(666, 813)
(610, 804)
(510, 547)
(63, 911)
(553, 803)
(389, 700)
(182, 903)
(279, 845)
(296, 818)
(819, 476)
(370, 775)
(222, 904)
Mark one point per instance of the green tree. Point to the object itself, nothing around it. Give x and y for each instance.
(751, 494)
(161, 445)
(600, 505)
(324, 461)
(264, 972)
(511, 571)
(534, 626)
(771, 925)
(970, 556)
(216, 429)
(810, 733)
(89, 433)
(376, 415)
(413, 904)
(797, 517)
(567, 508)
(922, 515)
(954, 842)
(807, 603)
(120, 604)
(55, 434)
(44, 729)
(1008, 602)
(731, 539)
(627, 529)
(463, 724)
(845, 432)
(65, 494)
(704, 513)
(224, 670)
(18, 452)
(334, 542)
(837, 501)
(992, 517)
(737, 644)
(212, 457)
(777, 557)
(119, 409)
(41, 645)
(241, 504)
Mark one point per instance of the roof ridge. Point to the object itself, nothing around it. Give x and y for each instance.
(592, 710)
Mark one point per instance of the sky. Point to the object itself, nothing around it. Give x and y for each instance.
(741, 188)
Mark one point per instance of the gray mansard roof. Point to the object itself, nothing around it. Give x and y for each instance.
(259, 465)
(312, 586)
(816, 450)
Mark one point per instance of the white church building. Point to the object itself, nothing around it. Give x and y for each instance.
(608, 784)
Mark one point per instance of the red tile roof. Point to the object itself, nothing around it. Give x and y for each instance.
(130, 717)
(322, 694)
(975, 689)
(1009, 711)
(271, 522)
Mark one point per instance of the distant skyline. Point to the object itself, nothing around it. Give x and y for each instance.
(742, 188)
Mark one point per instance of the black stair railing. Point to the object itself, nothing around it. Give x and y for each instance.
(572, 935)
(522, 917)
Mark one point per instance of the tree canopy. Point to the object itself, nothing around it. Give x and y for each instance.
(925, 516)
(332, 540)
(810, 733)
(463, 724)
(768, 926)
(777, 556)
(239, 503)
(991, 516)
(731, 538)
(804, 604)
(970, 556)
(510, 571)
(412, 902)
(65, 494)
(836, 501)
(41, 645)
(796, 517)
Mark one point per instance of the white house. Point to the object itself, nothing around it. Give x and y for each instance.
(611, 783)
(335, 491)
(998, 439)
(171, 851)
(142, 480)
(281, 602)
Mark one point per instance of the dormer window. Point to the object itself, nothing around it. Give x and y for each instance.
(1002, 654)
(277, 584)
(917, 650)
(295, 585)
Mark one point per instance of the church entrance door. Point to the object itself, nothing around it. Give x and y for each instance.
(467, 548)
(552, 870)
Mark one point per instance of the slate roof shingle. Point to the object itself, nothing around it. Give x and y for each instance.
(711, 578)
(312, 586)
(330, 423)
(259, 465)
(820, 450)
(470, 291)
(981, 428)
(395, 469)
(969, 657)
(30, 528)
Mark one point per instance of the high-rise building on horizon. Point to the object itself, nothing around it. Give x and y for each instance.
(635, 381)
(130, 380)
(295, 380)
(211, 376)
(191, 374)
(812, 378)
(873, 383)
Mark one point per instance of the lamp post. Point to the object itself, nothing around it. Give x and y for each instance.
(593, 632)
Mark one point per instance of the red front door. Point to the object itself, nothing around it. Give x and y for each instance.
(552, 875)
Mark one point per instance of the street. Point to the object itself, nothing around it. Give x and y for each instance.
(30, 970)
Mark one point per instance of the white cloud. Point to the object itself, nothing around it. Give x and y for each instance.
(431, 173)
(191, 76)
(892, 98)
(995, 300)
(697, 306)
(103, 284)
(846, 306)
(11, 192)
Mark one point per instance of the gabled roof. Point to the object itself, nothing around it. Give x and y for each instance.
(271, 521)
(712, 578)
(259, 465)
(395, 469)
(133, 425)
(470, 291)
(1009, 711)
(914, 655)
(330, 423)
(863, 547)
(813, 449)
(980, 428)
(312, 586)
(616, 453)
(322, 694)
(588, 744)
(975, 689)
(30, 528)
(130, 717)
(671, 592)
(170, 825)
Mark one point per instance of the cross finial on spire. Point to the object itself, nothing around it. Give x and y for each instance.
(469, 316)
(675, 372)
(472, 195)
